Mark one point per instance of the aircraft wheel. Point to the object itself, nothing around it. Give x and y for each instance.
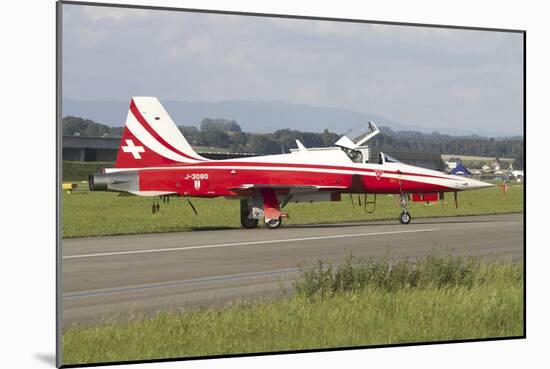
(405, 217)
(154, 209)
(274, 223)
(249, 223)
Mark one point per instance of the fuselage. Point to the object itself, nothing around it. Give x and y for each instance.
(329, 169)
(154, 159)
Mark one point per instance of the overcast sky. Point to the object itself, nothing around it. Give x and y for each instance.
(418, 76)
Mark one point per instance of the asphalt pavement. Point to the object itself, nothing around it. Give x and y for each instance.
(124, 276)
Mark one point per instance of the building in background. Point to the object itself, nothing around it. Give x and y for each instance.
(104, 149)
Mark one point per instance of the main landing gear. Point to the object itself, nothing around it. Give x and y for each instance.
(274, 223)
(405, 217)
(247, 221)
(266, 207)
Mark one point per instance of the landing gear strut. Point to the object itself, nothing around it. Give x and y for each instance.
(246, 221)
(273, 216)
(405, 217)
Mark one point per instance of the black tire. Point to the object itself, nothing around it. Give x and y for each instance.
(154, 209)
(405, 217)
(249, 223)
(274, 223)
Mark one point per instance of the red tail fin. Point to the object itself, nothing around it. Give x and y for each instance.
(151, 138)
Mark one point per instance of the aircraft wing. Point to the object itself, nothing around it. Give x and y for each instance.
(147, 193)
(246, 187)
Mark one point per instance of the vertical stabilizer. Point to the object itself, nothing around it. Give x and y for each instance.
(151, 138)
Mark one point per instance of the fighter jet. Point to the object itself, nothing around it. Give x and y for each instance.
(154, 159)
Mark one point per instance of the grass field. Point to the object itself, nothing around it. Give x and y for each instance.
(101, 213)
(361, 302)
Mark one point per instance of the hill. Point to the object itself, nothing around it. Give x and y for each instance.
(253, 116)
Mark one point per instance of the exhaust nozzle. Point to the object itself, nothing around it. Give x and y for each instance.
(117, 182)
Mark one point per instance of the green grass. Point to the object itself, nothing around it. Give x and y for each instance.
(449, 299)
(101, 213)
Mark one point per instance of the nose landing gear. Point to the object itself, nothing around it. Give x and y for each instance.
(405, 217)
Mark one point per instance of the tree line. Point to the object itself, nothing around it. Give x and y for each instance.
(227, 134)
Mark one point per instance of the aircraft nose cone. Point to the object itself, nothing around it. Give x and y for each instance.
(474, 184)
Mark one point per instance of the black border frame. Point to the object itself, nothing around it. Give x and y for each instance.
(58, 186)
(58, 130)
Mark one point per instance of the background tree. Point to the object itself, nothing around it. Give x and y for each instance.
(261, 144)
(224, 133)
(219, 124)
(83, 127)
(212, 137)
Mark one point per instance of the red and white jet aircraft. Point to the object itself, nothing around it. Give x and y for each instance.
(154, 159)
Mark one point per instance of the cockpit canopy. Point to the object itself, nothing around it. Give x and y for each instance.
(358, 136)
(385, 158)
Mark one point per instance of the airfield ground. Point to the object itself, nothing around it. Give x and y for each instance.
(88, 214)
(360, 303)
(180, 294)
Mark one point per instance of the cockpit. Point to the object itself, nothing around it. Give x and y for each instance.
(356, 155)
(352, 143)
(361, 155)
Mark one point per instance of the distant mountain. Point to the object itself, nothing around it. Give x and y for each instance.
(253, 116)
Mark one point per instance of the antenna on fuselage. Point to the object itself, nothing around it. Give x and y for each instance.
(300, 145)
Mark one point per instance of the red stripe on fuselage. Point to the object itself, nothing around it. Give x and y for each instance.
(220, 181)
(137, 114)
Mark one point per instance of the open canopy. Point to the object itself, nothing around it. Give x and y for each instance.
(358, 136)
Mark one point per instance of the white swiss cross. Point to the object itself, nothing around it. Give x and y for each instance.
(134, 150)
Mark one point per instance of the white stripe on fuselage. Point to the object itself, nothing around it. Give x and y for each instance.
(452, 183)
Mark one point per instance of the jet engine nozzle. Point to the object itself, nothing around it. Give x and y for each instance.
(98, 182)
(117, 182)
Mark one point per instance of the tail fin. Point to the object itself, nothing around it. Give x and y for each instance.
(151, 138)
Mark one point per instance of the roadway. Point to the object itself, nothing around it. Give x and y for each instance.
(105, 277)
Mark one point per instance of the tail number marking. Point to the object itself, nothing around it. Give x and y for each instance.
(196, 176)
